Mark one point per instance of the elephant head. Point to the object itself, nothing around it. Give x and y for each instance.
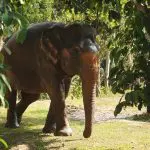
(73, 47)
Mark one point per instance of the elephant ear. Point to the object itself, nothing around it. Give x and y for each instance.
(73, 34)
(64, 36)
(52, 42)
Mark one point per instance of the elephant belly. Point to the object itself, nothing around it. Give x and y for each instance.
(25, 80)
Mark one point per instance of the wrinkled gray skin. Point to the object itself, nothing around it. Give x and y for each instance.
(47, 60)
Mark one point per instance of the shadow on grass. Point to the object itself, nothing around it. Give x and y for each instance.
(26, 121)
(145, 117)
(29, 136)
(30, 140)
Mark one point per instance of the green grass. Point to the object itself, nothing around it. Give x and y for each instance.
(117, 134)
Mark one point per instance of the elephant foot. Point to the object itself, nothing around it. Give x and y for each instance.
(50, 129)
(12, 121)
(19, 118)
(12, 125)
(65, 131)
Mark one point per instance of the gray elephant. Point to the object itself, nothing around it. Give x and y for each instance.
(46, 61)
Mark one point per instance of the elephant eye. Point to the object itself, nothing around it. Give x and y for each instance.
(76, 51)
(91, 37)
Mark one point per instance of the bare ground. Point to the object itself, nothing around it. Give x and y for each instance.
(105, 112)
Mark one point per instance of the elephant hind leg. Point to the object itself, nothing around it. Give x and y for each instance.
(26, 100)
(11, 112)
(66, 82)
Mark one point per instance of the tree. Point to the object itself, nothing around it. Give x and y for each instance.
(37, 10)
(10, 21)
(125, 27)
(131, 42)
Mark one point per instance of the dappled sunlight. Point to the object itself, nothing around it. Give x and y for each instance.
(29, 136)
(21, 147)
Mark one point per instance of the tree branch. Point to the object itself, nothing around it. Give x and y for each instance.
(140, 7)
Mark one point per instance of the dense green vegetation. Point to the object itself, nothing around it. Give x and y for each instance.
(130, 55)
(10, 20)
(124, 30)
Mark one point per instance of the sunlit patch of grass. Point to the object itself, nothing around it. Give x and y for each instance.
(99, 101)
(107, 135)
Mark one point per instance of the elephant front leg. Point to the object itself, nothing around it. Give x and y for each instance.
(62, 124)
(57, 96)
(50, 124)
(11, 112)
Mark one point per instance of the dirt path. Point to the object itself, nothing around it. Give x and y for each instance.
(103, 113)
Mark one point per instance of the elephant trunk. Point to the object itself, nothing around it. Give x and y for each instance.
(89, 74)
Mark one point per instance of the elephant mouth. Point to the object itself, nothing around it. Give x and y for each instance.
(89, 61)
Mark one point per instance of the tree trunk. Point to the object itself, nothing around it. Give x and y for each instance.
(148, 109)
(1, 42)
(107, 70)
(98, 85)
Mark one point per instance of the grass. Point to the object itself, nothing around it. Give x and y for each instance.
(132, 133)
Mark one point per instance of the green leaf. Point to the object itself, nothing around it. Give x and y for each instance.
(4, 143)
(2, 100)
(129, 98)
(22, 2)
(7, 19)
(1, 58)
(119, 107)
(7, 49)
(21, 35)
(3, 67)
(3, 77)
(21, 20)
(1, 29)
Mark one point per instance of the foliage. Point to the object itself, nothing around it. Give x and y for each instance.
(125, 30)
(124, 27)
(37, 10)
(10, 20)
(130, 47)
(75, 89)
(4, 85)
(4, 143)
(44, 96)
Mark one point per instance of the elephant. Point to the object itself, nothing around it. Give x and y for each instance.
(46, 61)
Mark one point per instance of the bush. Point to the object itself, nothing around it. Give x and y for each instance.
(76, 88)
